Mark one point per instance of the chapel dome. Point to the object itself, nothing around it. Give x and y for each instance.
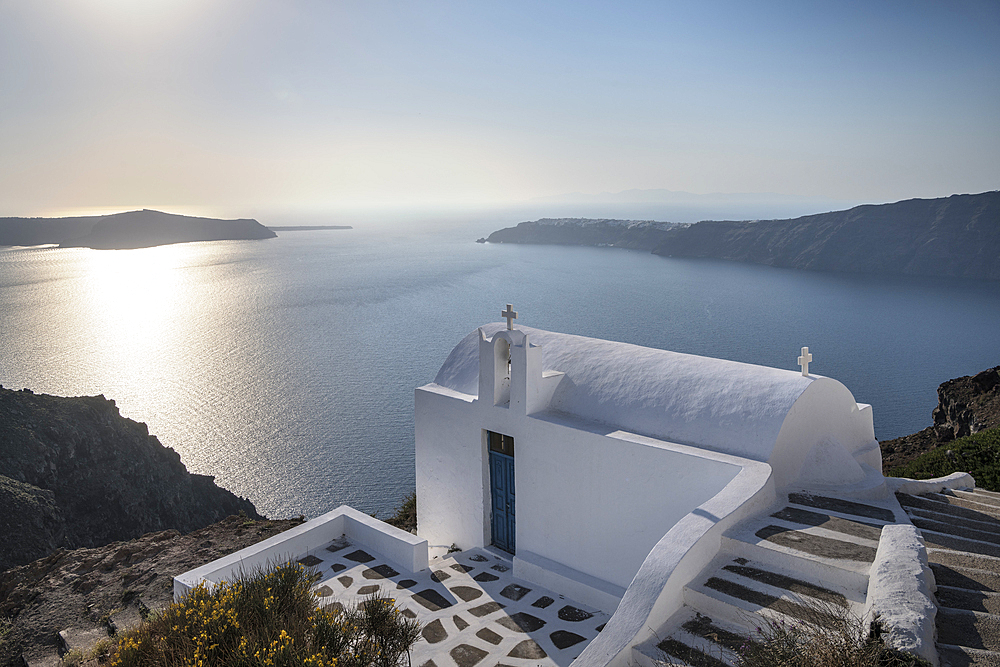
(716, 404)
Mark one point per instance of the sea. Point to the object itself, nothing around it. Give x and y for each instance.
(286, 368)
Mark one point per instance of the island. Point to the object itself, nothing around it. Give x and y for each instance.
(957, 236)
(131, 229)
(634, 234)
(306, 228)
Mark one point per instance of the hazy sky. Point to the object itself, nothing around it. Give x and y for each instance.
(237, 106)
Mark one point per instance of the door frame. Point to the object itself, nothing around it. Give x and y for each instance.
(500, 452)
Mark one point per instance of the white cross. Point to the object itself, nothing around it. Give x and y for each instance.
(804, 361)
(510, 315)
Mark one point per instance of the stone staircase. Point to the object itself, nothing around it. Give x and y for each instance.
(961, 530)
(808, 559)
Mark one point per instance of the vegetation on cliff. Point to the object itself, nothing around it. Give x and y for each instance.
(268, 618)
(978, 455)
(75, 473)
(93, 592)
(966, 405)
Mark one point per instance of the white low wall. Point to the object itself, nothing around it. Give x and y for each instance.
(915, 487)
(402, 549)
(657, 591)
(900, 592)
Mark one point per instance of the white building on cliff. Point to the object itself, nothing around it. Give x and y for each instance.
(577, 455)
(672, 497)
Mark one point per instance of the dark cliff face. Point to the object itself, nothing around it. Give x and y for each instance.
(966, 405)
(75, 473)
(956, 236)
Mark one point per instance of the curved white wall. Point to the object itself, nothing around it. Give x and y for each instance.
(602, 501)
(826, 439)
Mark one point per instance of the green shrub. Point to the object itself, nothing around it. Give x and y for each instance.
(978, 454)
(405, 516)
(268, 618)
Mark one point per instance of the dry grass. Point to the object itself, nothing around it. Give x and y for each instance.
(268, 619)
(833, 638)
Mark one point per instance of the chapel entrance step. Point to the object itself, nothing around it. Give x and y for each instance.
(726, 608)
(696, 640)
(774, 569)
(969, 578)
(814, 545)
(961, 656)
(843, 506)
(963, 551)
(746, 594)
(969, 600)
(968, 628)
(954, 521)
(980, 496)
(962, 530)
(952, 505)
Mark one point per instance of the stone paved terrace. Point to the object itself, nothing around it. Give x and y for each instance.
(470, 607)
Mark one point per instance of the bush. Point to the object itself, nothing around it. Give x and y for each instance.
(977, 454)
(405, 516)
(268, 618)
(837, 639)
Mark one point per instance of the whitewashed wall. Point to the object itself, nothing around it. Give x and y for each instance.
(593, 502)
(598, 504)
(599, 477)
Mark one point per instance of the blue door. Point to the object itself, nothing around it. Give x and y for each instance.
(502, 490)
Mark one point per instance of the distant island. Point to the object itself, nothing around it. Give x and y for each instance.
(635, 234)
(957, 236)
(306, 228)
(132, 229)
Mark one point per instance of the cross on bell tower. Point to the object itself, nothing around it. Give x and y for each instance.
(804, 361)
(510, 315)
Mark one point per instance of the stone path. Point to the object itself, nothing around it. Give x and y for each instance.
(470, 607)
(962, 532)
(829, 543)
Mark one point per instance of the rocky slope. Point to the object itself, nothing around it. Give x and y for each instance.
(75, 473)
(87, 592)
(957, 236)
(966, 405)
(132, 229)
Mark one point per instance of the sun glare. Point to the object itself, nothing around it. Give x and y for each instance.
(134, 295)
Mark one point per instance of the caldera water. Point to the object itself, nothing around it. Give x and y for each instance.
(286, 367)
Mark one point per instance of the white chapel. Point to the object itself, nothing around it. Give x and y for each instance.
(666, 500)
(577, 455)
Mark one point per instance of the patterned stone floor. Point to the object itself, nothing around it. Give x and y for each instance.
(470, 607)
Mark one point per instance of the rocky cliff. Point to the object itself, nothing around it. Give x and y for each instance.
(966, 405)
(75, 473)
(957, 236)
(132, 229)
